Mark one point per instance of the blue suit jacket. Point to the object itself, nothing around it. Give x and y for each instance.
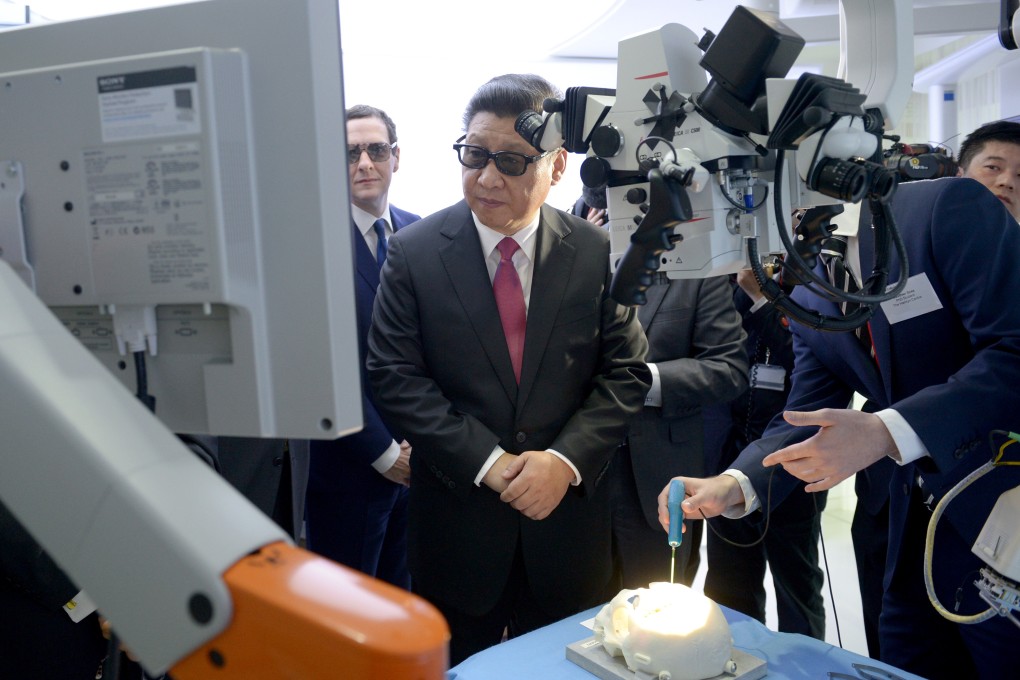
(364, 447)
(953, 373)
(355, 515)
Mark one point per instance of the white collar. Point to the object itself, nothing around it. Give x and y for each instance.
(364, 220)
(525, 237)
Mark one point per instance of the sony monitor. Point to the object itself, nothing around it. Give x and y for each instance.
(174, 182)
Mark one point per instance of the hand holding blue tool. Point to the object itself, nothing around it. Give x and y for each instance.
(676, 520)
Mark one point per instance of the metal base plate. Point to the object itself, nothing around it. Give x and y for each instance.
(592, 657)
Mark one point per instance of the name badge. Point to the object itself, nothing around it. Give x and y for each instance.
(917, 298)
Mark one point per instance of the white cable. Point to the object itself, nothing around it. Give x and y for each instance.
(929, 544)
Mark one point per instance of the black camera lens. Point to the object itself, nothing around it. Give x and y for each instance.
(883, 182)
(840, 179)
(530, 126)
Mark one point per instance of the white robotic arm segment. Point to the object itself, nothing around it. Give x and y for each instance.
(192, 576)
(129, 512)
(877, 53)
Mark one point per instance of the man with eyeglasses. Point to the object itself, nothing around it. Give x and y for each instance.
(496, 350)
(356, 499)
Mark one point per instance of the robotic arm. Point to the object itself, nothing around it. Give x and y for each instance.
(192, 577)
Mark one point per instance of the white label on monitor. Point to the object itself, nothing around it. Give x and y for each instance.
(149, 218)
(158, 103)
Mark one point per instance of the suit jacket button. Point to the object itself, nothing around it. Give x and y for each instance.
(450, 483)
(278, 461)
(958, 454)
(520, 437)
(439, 474)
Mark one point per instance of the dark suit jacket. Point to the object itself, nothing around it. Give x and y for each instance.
(442, 377)
(697, 343)
(37, 639)
(951, 373)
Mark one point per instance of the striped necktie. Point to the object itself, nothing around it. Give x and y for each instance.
(834, 256)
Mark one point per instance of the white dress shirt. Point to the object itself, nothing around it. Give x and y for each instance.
(524, 263)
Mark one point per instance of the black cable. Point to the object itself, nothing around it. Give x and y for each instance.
(142, 382)
(739, 206)
(828, 574)
(764, 531)
(885, 229)
(111, 667)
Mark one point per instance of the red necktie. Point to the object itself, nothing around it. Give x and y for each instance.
(506, 286)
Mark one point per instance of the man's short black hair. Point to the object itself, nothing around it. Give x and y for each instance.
(509, 95)
(999, 131)
(365, 111)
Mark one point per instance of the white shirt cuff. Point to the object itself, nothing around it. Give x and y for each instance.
(489, 462)
(654, 396)
(907, 442)
(383, 463)
(577, 475)
(498, 451)
(750, 497)
(759, 303)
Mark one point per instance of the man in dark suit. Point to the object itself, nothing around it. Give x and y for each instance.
(697, 356)
(737, 560)
(496, 350)
(948, 364)
(356, 500)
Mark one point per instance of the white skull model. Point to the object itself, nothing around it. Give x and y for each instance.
(666, 631)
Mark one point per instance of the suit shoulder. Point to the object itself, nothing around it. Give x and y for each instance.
(403, 217)
(931, 190)
(426, 227)
(577, 227)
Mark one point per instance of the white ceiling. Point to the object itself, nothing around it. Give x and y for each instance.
(587, 28)
(817, 21)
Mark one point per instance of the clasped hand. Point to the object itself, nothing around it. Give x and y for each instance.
(533, 482)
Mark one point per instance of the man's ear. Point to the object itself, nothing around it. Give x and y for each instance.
(959, 171)
(559, 165)
(396, 159)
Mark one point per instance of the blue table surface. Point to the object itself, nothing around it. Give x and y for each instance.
(542, 653)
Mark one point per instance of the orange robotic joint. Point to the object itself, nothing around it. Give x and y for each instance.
(298, 615)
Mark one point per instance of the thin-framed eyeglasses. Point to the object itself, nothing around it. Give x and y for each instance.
(509, 163)
(377, 151)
